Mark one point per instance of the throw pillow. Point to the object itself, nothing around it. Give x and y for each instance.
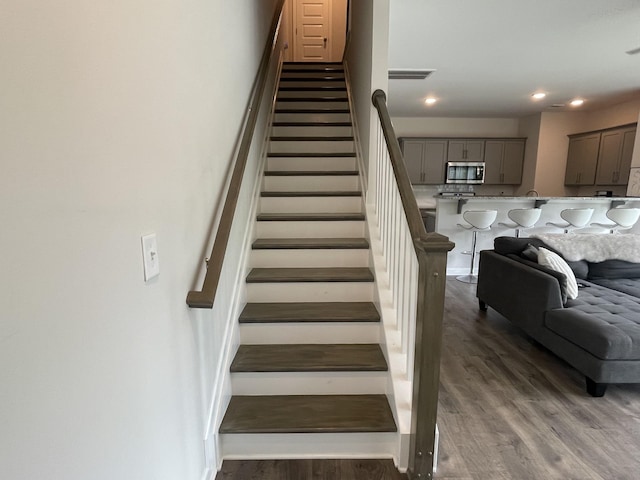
(555, 262)
(530, 253)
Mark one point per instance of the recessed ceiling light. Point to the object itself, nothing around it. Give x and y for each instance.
(577, 102)
(430, 100)
(539, 95)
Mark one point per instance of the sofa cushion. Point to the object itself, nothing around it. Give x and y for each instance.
(506, 245)
(614, 269)
(604, 322)
(630, 286)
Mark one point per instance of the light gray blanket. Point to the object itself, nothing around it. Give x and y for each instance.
(594, 247)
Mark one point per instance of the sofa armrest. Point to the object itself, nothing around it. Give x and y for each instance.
(519, 292)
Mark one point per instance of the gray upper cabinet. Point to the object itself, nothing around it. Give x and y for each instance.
(413, 152)
(602, 157)
(582, 159)
(614, 156)
(466, 150)
(425, 159)
(503, 161)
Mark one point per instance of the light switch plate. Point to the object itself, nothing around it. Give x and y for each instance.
(151, 260)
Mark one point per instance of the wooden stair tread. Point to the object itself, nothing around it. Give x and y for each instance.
(311, 193)
(309, 312)
(316, 78)
(312, 124)
(309, 358)
(309, 243)
(308, 414)
(310, 217)
(320, 88)
(312, 110)
(315, 138)
(311, 67)
(309, 274)
(312, 99)
(310, 173)
(311, 154)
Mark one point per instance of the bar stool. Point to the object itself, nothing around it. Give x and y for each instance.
(478, 220)
(622, 218)
(522, 218)
(575, 218)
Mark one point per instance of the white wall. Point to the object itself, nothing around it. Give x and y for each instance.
(529, 128)
(117, 119)
(359, 62)
(553, 145)
(455, 127)
(613, 116)
(367, 59)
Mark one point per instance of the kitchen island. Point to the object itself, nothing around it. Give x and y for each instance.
(449, 214)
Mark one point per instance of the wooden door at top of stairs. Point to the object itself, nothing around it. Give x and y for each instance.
(311, 30)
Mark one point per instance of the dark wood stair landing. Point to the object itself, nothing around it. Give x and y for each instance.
(307, 469)
(308, 414)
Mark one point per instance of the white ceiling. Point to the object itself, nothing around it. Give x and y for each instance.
(491, 55)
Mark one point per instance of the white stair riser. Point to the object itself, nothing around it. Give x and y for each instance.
(311, 229)
(306, 104)
(308, 445)
(311, 163)
(315, 183)
(311, 204)
(308, 383)
(316, 146)
(312, 117)
(312, 94)
(311, 131)
(312, 258)
(310, 292)
(321, 332)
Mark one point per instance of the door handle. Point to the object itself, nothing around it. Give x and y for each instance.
(325, 42)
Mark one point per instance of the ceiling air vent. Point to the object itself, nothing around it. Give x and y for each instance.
(558, 105)
(409, 74)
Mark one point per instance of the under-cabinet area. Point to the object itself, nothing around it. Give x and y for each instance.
(426, 158)
(600, 157)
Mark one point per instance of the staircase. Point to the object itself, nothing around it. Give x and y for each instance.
(309, 378)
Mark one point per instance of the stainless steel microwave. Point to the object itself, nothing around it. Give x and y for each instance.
(465, 172)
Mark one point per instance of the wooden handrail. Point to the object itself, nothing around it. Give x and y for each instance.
(204, 298)
(421, 239)
(431, 251)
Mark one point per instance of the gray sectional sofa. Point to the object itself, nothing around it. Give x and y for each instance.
(598, 332)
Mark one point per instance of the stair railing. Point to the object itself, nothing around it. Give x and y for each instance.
(416, 263)
(204, 298)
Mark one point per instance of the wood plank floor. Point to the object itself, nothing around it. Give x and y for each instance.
(510, 409)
